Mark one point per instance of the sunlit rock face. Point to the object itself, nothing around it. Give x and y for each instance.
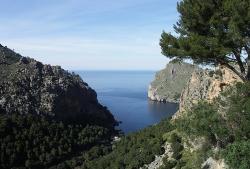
(206, 85)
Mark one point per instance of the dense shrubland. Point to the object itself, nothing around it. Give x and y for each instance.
(135, 150)
(38, 142)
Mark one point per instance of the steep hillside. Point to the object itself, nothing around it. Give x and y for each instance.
(211, 129)
(28, 86)
(169, 82)
(49, 118)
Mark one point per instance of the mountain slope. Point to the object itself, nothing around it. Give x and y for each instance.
(49, 118)
(28, 86)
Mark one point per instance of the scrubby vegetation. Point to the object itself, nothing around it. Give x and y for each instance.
(8, 56)
(39, 142)
(237, 154)
(135, 150)
(224, 125)
(219, 130)
(214, 32)
(204, 121)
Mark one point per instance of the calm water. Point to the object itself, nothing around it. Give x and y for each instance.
(125, 95)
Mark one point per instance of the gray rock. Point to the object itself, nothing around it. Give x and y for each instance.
(158, 162)
(28, 86)
(169, 82)
(211, 163)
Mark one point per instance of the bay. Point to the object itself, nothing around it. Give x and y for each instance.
(125, 95)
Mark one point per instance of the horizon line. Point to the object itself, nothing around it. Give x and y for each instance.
(113, 69)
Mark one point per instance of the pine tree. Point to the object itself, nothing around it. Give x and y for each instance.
(212, 32)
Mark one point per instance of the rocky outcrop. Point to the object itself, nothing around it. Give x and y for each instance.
(28, 86)
(206, 85)
(211, 163)
(158, 162)
(169, 82)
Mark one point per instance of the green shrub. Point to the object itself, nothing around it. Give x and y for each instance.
(238, 112)
(170, 164)
(237, 155)
(177, 96)
(174, 138)
(177, 148)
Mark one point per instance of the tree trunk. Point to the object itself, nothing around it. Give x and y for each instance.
(248, 63)
(248, 69)
(239, 61)
(241, 75)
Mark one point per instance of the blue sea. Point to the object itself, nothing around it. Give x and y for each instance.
(125, 95)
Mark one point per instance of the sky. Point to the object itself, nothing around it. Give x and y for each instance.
(89, 34)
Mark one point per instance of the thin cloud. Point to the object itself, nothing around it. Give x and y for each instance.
(89, 34)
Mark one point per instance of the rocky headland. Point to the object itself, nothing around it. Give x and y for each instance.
(28, 86)
(169, 82)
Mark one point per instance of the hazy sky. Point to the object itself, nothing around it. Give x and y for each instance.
(88, 34)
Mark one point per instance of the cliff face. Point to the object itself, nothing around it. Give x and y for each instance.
(28, 86)
(206, 85)
(169, 82)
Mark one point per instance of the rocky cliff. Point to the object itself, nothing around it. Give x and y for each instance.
(205, 85)
(169, 82)
(28, 86)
